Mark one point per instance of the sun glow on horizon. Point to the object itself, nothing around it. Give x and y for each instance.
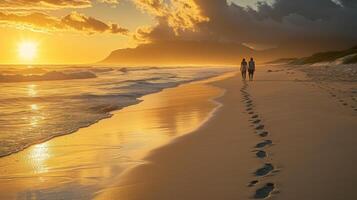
(27, 50)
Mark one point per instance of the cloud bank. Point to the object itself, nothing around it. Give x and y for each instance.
(72, 22)
(317, 24)
(33, 15)
(90, 25)
(49, 4)
(43, 4)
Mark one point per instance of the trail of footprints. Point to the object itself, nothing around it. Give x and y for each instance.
(344, 97)
(264, 190)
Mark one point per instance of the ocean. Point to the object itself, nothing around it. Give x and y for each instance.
(42, 102)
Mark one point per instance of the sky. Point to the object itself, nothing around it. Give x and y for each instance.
(87, 31)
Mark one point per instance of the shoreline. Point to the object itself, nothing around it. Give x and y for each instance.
(110, 114)
(270, 139)
(17, 171)
(163, 174)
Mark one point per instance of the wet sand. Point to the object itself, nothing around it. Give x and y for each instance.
(81, 164)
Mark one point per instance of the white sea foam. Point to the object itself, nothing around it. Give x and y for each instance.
(59, 100)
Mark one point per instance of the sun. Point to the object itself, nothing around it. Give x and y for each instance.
(27, 50)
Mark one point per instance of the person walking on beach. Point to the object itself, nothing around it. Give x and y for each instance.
(243, 68)
(251, 69)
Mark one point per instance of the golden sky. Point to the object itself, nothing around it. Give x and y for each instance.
(57, 42)
(87, 31)
(66, 44)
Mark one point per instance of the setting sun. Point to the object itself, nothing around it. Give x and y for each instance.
(178, 99)
(27, 50)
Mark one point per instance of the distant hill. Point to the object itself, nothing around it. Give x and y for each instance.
(348, 56)
(180, 52)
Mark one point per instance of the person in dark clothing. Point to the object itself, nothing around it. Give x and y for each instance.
(251, 69)
(243, 68)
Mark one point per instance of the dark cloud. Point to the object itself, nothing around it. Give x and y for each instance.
(74, 21)
(312, 10)
(319, 24)
(349, 3)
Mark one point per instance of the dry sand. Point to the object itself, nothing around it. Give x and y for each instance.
(282, 136)
(288, 139)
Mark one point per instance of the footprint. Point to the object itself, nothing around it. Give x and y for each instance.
(263, 144)
(264, 170)
(263, 134)
(255, 116)
(251, 113)
(249, 109)
(252, 183)
(265, 191)
(261, 154)
(256, 121)
(259, 127)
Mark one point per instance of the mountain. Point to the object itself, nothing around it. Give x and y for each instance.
(181, 53)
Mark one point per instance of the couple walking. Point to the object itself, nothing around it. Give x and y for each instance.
(251, 68)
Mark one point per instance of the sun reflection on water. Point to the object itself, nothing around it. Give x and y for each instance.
(32, 90)
(34, 120)
(34, 107)
(37, 117)
(39, 155)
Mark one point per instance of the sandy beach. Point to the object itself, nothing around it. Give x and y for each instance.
(281, 136)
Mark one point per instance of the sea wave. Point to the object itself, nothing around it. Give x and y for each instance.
(48, 76)
(32, 112)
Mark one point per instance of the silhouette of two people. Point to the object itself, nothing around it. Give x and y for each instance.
(250, 67)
